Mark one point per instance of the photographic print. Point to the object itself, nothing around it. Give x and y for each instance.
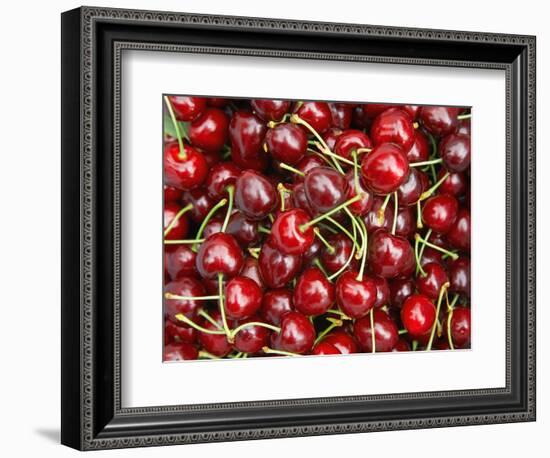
(294, 228)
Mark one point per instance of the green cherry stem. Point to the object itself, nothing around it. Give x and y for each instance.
(419, 224)
(355, 172)
(231, 194)
(181, 317)
(254, 252)
(325, 242)
(328, 228)
(183, 242)
(208, 217)
(222, 308)
(352, 254)
(464, 116)
(426, 194)
(431, 162)
(341, 314)
(395, 213)
(364, 250)
(414, 345)
(263, 229)
(442, 292)
(176, 218)
(182, 154)
(423, 247)
(190, 298)
(417, 258)
(334, 323)
(206, 316)
(336, 209)
(332, 155)
(402, 331)
(320, 266)
(382, 210)
(203, 354)
(452, 255)
(355, 224)
(353, 237)
(291, 169)
(372, 331)
(282, 192)
(272, 351)
(450, 310)
(363, 150)
(235, 331)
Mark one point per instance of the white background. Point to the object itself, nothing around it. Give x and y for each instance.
(30, 245)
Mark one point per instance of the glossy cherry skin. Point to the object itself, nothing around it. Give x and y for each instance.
(350, 141)
(172, 194)
(325, 348)
(431, 283)
(187, 108)
(438, 120)
(209, 132)
(275, 303)
(277, 268)
(201, 202)
(455, 184)
(179, 352)
(251, 269)
(455, 151)
(316, 114)
(418, 315)
(382, 290)
(244, 230)
(385, 168)
(243, 298)
(325, 188)
(270, 109)
(459, 276)
(341, 114)
(355, 297)
(412, 110)
(400, 290)
(389, 255)
(185, 286)
(440, 212)
(385, 332)
(181, 227)
(176, 333)
(286, 235)
(406, 222)
(183, 172)
(342, 341)
(334, 260)
(331, 137)
(460, 326)
(363, 205)
(372, 220)
(217, 102)
(306, 164)
(464, 127)
(402, 345)
(411, 189)
(287, 143)
(219, 253)
(297, 333)
(299, 199)
(179, 261)
(220, 177)
(251, 339)
(313, 293)
(246, 133)
(459, 234)
(393, 126)
(216, 344)
(255, 195)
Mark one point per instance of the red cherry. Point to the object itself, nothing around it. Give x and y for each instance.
(287, 143)
(219, 253)
(186, 171)
(255, 195)
(286, 235)
(243, 298)
(385, 332)
(299, 199)
(313, 293)
(333, 261)
(179, 352)
(244, 230)
(331, 137)
(179, 261)
(382, 290)
(431, 283)
(440, 212)
(217, 102)
(251, 269)
(372, 220)
(402, 345)
(177, 333)
(411, 189)
(316, 114)
(464, 127)
(200, 201)
(455, 152)
(270, 109)
(459, 234)
(297, 333)
(247, 132)
(325, 348)
(209, 132)
(363, 205)
(180, 229)
(306, 164)
(400, 289)
(216, 344)
(342, 341)
(275, 303)
(460, 326)
(349, 141)
(277, 268)
(325, 188)
(355, 297)
(420, 149)
(439, 120)
(187, 108)
(341, 114)
(412, 110)
(455, 184)
(393, 126)
(188, 287)
(459, 276)
(389, 255)
(171, 194)
(251, 339)
(418, 315)
(385, 168)
(220, 177)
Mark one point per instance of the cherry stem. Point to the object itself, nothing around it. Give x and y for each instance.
(326, 227)
(334, 323)
(355, 174)
(263, 229)
(419, 224)
(183, 242)
(206, 316)
(341, 314)
(420, 164)
(395, 213)
(450, 308)
(272, 124)
(320, 266)
(254, 323)
(324, 150)
(353, 238)
(414, 345)
(176, 218)
(429, 192)
(222, 308)
(182, 154)
(187, 321)
(206, 355)
(272, 351)
(236, 355)
(231, 193)
(421, 253)
(291, 169)
(433, 154)
(363, 251)
(208, 217)
(190, 298)
(254, 252)
(321, 156)
(346, 264)
(355, 224)
(372, 332)
(271, 217)
(452, 255)
(363, 150)
(336, 209)
(464, 116)
(330, 248)
(282, 192)
(402, 331)
(442, 292)
(382, 210)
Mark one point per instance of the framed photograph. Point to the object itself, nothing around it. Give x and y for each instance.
(276, 228)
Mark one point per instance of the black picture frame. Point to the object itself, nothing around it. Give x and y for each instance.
(92, 41)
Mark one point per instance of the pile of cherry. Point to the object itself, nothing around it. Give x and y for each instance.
(313, 228)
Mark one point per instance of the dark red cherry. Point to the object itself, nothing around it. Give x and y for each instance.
(270, 109)
(213, 227)
(411, 189)
(334, 260)
(297, 333)
(287, 143)
(179, 352)
(219, 253)
(246, 133)
(331, 137)
(412, 110)
(187, 108)
(382, 291)
(325, 188)
(172, 194)
(390, 255)
(287, 235)
(251, 269)
(342, 341)
(431, 283)
(460, 326)
(464, 127)
(201, 202)
(455, 151)
(209, 132)
(385, 332)
(244, 230)
(420, 149)
(299, 199)
(455, 184)
(459, 276)
(372, 110)
(275, 303)
(341, 114)
(440, 212)
(400, 289)
(372, 219)
(438, 120)
(418, 315)
(431, 255)
(181, 227)
(350, 141)
(216, 344)
(316, 114)
(255, 195)
(385, 168)
(459, 234)
(251, 339)
(313, 252)
(220, 177)
(277, 268)
(313, 293)
(243, 298)
(355, 297)
(306, 164)
(176, 333)
(406, 222)
(179, 261)
(217, 102)
(325, 348)
(188, 287)
(363, 205)
(186, 171)
(402, 345)
(393, 126)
